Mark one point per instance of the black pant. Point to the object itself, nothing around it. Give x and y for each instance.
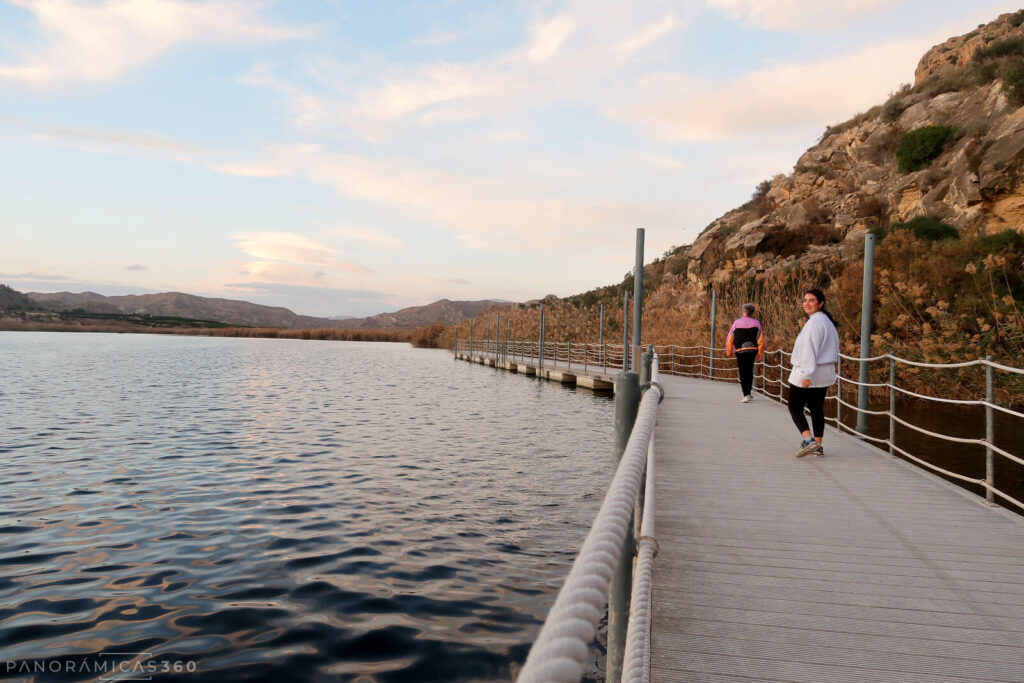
(814, 399)
(745, 363)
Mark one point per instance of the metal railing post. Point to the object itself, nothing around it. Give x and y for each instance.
(892, 405)
(540, 342)
(865, 331)
(600, 339)
(711, 350)
(990, 431)
(625, 331)
(839, 394)
(627, 401)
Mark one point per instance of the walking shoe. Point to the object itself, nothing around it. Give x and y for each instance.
(819, 452)
(745, 399)
(807, 447)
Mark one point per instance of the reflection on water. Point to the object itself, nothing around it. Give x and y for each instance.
(281, 509)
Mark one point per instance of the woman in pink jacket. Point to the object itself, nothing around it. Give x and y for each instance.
(746, 342)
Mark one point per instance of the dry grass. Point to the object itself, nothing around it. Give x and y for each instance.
(935, 302)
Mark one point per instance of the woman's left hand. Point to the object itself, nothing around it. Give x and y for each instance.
(806, 383)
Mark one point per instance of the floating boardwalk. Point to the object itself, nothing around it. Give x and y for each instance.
(853, 567)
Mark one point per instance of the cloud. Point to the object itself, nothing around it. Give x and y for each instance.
(682, 107)
(35, 282)
(435, 37)
(136, 267)
(585, 52)
(371, 238)
(35, 276)
(457, 281)
(88, 42)
(480, 212)
(547, 36)
(316, 300)
(799, 15)
(291, 248)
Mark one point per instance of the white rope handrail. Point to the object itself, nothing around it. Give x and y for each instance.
(564, 641)
(936, 468)
(858, 359)
(1005, 496)
(861, 384)
(851, 430)
(864, 410)
(957, 439)
(636, 661)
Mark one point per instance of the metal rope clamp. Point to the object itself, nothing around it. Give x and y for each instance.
(661, 390)
(640, 539)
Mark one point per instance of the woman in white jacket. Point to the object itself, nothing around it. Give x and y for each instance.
(815, 353)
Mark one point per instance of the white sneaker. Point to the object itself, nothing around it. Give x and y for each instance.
(745, 399)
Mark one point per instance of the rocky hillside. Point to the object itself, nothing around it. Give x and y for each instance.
(12, 299)
(936, 173)
(851, 181)
(249, 314)
(442, 311)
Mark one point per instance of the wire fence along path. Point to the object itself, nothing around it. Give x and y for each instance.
(770, 380)
(849, 568)
(853, 567)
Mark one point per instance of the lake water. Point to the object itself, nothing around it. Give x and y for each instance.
(263, 509)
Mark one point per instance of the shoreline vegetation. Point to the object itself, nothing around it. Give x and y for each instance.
(938, 299)
(112, 324)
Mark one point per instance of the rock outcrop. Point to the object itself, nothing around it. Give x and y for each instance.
(850, 182)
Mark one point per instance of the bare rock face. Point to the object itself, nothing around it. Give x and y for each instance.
(850, 182)
(959, 50)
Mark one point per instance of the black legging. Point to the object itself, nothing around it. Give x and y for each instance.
(745, 363)
(814, 399)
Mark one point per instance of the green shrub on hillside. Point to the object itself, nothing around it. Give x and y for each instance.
(928, 228)
(923, 228)
(1007, 240)
(1013, 83)
(919, 146)
(1000, 48)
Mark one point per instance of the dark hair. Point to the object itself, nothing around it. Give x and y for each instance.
(749, 309)
(820, 296)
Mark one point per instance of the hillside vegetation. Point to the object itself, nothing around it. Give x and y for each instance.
(936, 173)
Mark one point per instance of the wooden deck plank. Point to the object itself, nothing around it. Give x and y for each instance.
(852, 567)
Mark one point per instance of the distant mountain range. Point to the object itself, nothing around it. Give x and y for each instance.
(240, 312)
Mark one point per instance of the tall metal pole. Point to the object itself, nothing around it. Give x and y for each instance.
(638, 297)
(990, 431)
(471, 339)
(625, 331)
(508, 337)
(600, 338)
(714, 314)
(865, 331)
(540, 344)
(497, 337)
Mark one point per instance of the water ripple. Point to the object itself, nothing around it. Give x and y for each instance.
(284, 510)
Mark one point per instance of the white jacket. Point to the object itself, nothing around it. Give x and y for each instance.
(815, 352)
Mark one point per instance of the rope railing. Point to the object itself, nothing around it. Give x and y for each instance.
(564, 641)
(711, 363)
(637, 657)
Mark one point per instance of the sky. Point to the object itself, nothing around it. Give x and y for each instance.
(355, 157)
